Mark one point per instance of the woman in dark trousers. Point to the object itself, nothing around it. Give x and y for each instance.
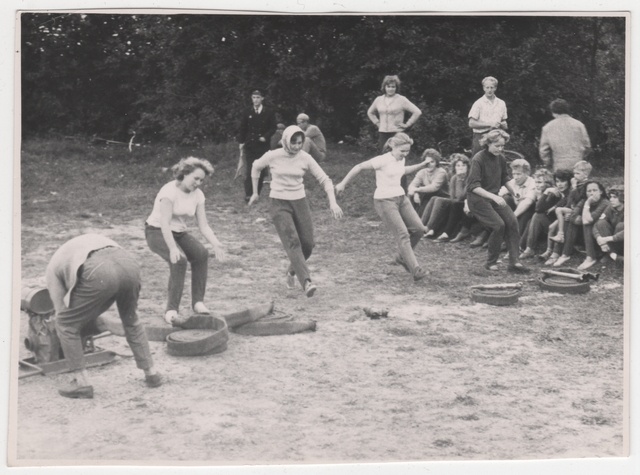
(167, 236)
(488, 173)
(289, 206)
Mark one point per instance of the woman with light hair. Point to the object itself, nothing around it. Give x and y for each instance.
(167, 236)
(487, 174)
(388, 111)
(390, 201)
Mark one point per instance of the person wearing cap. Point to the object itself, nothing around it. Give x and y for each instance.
(85, 276)
(257, 125)
(487, 113)
(564, 140)
(315, 144)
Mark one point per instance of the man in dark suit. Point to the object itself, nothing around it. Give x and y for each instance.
(257, 126)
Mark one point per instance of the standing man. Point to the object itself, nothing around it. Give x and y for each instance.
(257, 126)
(564, 140)
(487, 113)
(85, 276)
(314, 145)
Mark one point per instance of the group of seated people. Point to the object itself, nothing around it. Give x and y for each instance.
(555, 211)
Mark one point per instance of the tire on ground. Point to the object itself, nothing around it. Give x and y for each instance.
(564, 285)
(197, 342)
(499, 297)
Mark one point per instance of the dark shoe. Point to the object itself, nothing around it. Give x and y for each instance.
(400, 261)
(503, 247)
(153, 380)
(74, 391)
(419, 273)
(309, 288)
(518, 268)
(461, 236)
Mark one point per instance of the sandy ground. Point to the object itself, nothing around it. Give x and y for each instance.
(442, 378)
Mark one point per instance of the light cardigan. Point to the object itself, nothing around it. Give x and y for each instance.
(391, 111)
(287, 173)
(62, 271)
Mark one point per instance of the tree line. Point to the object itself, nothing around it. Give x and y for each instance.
(184, 79)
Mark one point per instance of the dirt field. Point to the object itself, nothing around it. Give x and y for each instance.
(442, 378)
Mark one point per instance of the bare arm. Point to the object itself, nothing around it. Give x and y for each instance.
(351, 175)
(57, 290)
(207, 232)
(523, 206)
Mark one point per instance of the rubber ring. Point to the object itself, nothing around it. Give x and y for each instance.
(498, 297)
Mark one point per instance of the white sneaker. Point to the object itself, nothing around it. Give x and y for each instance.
(588, 262)
(561, 260)
(170, 316)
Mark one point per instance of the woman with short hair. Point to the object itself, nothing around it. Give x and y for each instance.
(390, 201)
(387, 111)
(167, 236)
(488, 173)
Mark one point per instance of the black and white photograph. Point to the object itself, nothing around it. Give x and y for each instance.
(323, 240)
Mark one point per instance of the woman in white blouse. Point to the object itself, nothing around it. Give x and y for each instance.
(167, 236)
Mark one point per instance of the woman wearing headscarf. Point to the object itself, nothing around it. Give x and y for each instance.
(289, 206)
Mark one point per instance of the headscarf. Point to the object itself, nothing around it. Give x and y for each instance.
(286, 138)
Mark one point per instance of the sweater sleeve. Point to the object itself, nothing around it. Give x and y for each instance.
(411, 107)
(416, 182)
(373, 112)
(260, 164)
(438, 182)
(319, 174)
(546, 202)
(475, 176)
(602, 207)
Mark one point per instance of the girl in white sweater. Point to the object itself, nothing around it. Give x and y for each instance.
(289, 206)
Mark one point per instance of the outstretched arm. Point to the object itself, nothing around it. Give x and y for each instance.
(352, 173)
(207, 232)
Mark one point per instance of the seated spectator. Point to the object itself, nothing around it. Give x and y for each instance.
(428, 182)
(444, 215)
(581, 172)
(581, 224)
(608, 231)
(544, 201)
(551, 197)
(314, 145)
(276, 138)
(520, 193)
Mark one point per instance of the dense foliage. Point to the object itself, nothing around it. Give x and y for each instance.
(184, 78)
